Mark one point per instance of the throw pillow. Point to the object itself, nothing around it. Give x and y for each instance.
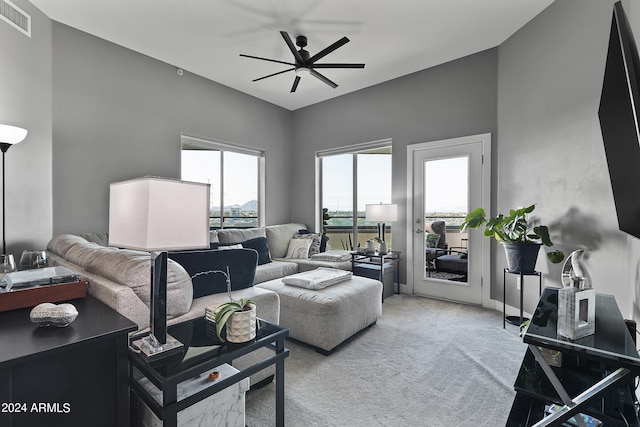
(298, 249)
(260, 245)
(196, 263)
(432, 240)
(315, 241)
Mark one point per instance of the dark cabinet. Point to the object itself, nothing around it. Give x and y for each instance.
(73, 376)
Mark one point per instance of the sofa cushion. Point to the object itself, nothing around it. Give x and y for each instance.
(259, 244)
(275, 270)
(61, 243)
(133, 269)
(208, 268)
(278, 237)
(239, 235)
(81, 253)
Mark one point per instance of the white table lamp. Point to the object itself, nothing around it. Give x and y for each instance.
(158, 214)
(382, 212)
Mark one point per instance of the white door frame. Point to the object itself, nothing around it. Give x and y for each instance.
(412, 150)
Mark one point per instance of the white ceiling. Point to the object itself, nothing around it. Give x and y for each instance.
(392, 37)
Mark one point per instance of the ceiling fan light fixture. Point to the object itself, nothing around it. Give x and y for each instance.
(303, 72)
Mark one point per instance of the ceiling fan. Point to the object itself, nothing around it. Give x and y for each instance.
(305, 64)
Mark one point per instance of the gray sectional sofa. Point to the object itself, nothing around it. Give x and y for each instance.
(277, 238)
(120, 278)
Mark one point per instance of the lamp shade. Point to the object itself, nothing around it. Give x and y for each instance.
(12, 134)
(382, 212)
(154, 214)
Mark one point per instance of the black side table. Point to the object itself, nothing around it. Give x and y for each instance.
(378, 262)
(169, 373)
(514, 319)
(74, 376)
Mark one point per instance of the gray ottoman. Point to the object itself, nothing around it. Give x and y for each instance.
(326, 317)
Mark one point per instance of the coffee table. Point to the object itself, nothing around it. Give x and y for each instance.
(199, 334)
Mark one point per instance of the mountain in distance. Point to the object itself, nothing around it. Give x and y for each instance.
(251, 206)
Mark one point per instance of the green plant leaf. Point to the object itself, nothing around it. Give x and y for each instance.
(543, 232)
(474, 219)
(555, 256)
(222, 322)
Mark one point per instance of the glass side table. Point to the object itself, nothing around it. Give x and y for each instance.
(169, 375)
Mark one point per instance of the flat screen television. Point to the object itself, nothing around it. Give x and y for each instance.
(618, 113)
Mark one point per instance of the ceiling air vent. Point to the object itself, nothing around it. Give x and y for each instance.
(15, 17)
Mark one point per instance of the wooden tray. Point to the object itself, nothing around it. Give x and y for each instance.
(30, 297)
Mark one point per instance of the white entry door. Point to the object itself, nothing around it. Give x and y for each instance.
(448, 181)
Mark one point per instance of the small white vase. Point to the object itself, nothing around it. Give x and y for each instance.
(241, 326)
(382, 248)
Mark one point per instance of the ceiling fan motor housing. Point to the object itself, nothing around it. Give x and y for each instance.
(301, 41)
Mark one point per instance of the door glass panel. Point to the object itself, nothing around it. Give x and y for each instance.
(446, 203)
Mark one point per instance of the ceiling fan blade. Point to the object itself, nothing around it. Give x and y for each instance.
(338, 65)
(267, 59)
(295, 84)
(274, 74)
(324, 52)
(293, 49)
(319, 76)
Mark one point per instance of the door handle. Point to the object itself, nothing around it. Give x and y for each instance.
(418, 231)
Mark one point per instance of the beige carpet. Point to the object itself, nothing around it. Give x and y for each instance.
(425, 363)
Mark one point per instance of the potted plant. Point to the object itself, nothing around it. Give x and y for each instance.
(520, 240)
(369, 246)
(239, 318)
(382, 245)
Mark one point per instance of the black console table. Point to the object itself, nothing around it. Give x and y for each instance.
(598, 370)
(71, 376)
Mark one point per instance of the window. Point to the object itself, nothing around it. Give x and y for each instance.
(236, 175)
(354, 177)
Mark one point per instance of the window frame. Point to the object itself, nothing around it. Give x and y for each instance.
(201, 143)
(353, 150)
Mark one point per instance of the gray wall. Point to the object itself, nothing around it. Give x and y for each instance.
(451, 100)
(118, 114)
(25, 101)
(550, 149)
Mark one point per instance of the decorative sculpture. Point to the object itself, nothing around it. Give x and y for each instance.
(577, 300)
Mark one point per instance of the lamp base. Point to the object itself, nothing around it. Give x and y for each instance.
(151, 349)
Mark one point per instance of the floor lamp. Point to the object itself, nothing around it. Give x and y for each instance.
(155, 215)
(9, 135)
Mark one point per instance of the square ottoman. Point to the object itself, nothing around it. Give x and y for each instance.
(325, 318)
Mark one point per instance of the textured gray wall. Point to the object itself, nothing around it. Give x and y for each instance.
(550, 149)
(118, 114)
(25, 101)
(451, 100)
